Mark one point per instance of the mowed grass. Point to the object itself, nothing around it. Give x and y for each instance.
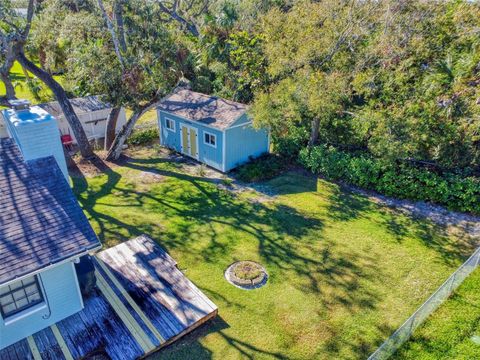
(22, 90)
(343, 271)
(453, 331)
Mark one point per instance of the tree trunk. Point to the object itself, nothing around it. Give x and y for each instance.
(72, 118)
(10, 90)
(4, 101)
(116, 149)
(111, 126)
(314, 132)
(117, 146)
(118, 10)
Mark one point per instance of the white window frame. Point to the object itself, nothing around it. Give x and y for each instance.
(173, 123)
(31, 306)
(205, 133)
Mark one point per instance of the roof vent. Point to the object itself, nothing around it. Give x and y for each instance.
(20, 104)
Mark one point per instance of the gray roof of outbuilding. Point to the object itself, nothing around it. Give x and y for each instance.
(41, 222)
(206, 109)
(80, 105)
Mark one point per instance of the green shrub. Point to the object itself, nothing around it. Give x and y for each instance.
(143, 136)
(403, 181)
(263, 168)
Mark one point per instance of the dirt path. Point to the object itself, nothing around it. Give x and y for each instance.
(452, 221)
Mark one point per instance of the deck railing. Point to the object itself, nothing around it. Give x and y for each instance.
(405, 331)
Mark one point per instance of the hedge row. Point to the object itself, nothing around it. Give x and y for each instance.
(143, 136)
(403, 181)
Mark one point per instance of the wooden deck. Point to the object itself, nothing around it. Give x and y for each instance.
(142, 303)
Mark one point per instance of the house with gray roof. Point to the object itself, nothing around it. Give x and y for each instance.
(214, 131)
(43, 230)
(92, 113)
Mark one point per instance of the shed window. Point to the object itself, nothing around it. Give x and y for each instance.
(210, 139)
(19, 296)
(170, 124)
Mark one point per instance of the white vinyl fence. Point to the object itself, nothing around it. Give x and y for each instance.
(405, 331)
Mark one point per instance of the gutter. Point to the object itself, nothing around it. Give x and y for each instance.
(59, 262)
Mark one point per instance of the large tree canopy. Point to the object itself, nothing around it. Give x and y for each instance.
(399, 79)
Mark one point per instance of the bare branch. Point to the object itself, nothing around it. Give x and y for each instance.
(190, 26)
(118, 8)
(112, 31)
(30, 12)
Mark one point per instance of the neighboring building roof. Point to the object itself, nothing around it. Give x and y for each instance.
(210, 110)
(80, 105)
(41, 222)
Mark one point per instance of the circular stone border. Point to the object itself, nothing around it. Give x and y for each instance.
(256, 283)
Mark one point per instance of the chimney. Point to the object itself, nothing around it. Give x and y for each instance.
(36, 132)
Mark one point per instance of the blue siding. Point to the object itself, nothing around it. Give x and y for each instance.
(172, 139)
(37, 135)
(60, 285)
(243, 142)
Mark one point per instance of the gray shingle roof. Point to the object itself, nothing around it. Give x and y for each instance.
(41, 222)
(80, 105)
(210, 110)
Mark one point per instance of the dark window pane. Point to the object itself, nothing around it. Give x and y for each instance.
(19, 296)
(7, 299)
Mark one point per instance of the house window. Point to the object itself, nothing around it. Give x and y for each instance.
(170, 124)
(19, 296)
(210, 139)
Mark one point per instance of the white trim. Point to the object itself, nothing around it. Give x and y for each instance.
(182, 125)
(79, 292)
(235, 126)
(269, 140)
(160, 127)
(33, 348)
(51, 266)
(211, 134)
(173, 122)
(27, 312)
(224, 150)
(61, 342)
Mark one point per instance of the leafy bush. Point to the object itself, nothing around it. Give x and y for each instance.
(455, 191)
(143, 136)
(260, 169)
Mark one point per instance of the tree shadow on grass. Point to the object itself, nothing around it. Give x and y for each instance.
(289, 243)
(189, 347)
(346, 205)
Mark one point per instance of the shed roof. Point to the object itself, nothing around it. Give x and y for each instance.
(41, 222)
(206, 109)
(80, 105)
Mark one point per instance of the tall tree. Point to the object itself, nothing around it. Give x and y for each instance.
(15, 37)
(311, 50)
(132, 61)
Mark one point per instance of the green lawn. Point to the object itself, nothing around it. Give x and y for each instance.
(21, 87)
(453, 331)
(344, 272)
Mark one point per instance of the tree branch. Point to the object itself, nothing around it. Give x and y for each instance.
(118, 9)
(190, 26)
(111, 29)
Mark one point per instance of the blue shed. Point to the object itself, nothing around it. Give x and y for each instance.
(214, 131)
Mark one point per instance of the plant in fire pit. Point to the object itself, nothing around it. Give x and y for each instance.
(246, 274)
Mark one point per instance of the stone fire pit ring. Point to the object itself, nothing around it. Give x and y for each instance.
(246, 275)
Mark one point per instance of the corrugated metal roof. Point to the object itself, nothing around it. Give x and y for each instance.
(80, 105)
(41, 222)
(209, 110)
